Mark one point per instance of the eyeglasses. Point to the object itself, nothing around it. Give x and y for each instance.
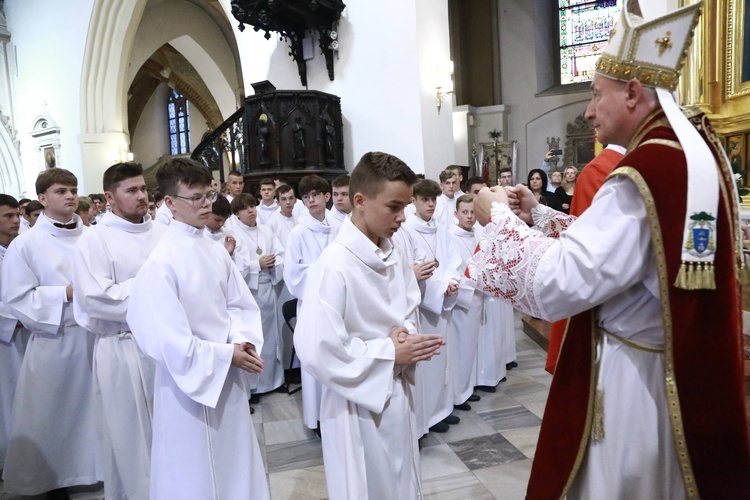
(311, 194)
(200, 198)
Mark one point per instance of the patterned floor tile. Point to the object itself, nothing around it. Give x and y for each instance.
(486, 451)
(514, 417)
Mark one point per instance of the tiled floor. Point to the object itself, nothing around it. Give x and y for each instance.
(488, 455)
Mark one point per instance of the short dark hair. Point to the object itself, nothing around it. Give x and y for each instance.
(23, 200)
(176, 171)
(313, 183)
(54, 176)
(542, 174)
(221, 207)
(284, 188)
(118, 172)
(33, 206)
(374, 170)
(474, 180)
(464, 198)
(266, 182)
(341, 181)
(7, 200)
(98, 197)
(504, 169)
(242, 201)
(428, 188)
(158, 196)
(236, 173)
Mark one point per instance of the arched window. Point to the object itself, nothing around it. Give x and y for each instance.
(179, 124)
(584, 33)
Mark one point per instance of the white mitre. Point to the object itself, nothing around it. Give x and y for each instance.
(654, 52)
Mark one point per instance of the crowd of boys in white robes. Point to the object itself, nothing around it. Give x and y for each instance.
(272, 251)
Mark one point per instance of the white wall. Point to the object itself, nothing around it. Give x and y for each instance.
(50, 42)
(151, 139)
(381, 77)
(192, 32)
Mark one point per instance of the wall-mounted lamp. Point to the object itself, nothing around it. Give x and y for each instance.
(444, 82)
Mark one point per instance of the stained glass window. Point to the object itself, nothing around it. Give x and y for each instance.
(584, 33)
(179, 124)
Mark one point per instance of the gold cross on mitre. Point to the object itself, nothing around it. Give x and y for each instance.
(664, 43)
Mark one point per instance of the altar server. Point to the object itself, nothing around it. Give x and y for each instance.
(13, 336)
(306, 242)
(190, 310)
(261, 262)
(359, 340)
(54, 430)
(108, 257)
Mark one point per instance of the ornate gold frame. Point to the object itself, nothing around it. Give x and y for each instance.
(735, 87)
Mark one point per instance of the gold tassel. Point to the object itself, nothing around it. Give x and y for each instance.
(597, 426)
(681, 281)
(709, 279)
(700, 282)
(690, 276)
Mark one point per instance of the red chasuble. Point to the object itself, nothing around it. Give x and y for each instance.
(703, 359)
(588, 183)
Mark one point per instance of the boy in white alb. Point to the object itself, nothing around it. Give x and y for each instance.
(54, 431)
(359, 340)
(190, 310)
(235, 184)
(433, 243)
(496, 329)
(306, 242)
(13, 336)
(467, 315)
(281, 222)
(342, 206)
(106, 261)
(268, 203)
(446, 202)
(260, 261)
(216, 228)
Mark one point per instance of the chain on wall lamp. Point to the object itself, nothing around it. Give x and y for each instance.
(444, 82)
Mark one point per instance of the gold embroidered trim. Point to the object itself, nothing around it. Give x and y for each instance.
(583, 446)
(673, 402)
(640, 134)
(634, 345)
(663, 142)
(648, 74)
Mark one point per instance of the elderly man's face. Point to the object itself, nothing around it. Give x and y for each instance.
(608, 109)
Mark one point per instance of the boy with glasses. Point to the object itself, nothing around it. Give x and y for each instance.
(306, 242)
(191, 311)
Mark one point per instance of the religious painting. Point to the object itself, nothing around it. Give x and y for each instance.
(497, 156)
(736, 152)
(738, 48)
(50, 159)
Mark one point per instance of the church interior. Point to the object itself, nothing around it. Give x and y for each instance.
(481, 84)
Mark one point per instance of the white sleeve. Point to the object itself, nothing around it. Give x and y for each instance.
(360, 371)
(38, 307)
(160, 325)
(94, 286)
(605, 252)
(295, 268)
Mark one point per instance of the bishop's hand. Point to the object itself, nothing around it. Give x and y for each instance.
(483, 202)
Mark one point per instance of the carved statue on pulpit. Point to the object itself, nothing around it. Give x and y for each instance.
(298, 133)
(330, 144)
(263, 140)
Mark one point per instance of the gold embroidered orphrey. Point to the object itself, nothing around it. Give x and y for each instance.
(664, 43)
